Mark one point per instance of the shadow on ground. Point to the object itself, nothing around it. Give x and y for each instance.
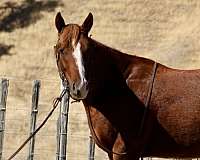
(5, 49)
(13, 15)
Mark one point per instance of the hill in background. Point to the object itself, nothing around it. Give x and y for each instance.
(167, 31)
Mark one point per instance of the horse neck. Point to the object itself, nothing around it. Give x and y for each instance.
(104, 70)
(110, 57)
(114, 68)
(108, 90)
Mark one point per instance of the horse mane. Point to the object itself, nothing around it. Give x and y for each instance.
(118, 53)
(119, 58)
(108, 48)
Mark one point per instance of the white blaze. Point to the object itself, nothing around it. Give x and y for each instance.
(79, 62)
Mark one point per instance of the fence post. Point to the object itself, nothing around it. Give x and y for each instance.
(91, 148)
(35, 99)
(62, 127)
(3, 97)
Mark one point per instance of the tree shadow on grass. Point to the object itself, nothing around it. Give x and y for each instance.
(14, 16)
(5, 49)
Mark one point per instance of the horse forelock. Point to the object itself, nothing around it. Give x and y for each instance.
(69, 35)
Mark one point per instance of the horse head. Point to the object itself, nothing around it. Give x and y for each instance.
(70, 49)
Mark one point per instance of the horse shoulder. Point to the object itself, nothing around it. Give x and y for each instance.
(137, 79)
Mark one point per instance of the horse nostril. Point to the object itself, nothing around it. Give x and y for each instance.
(87, 87)
(78, 93)
(73, 86)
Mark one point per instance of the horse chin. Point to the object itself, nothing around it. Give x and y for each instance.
(78, 97)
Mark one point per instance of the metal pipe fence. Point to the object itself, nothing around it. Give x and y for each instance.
(64, 133)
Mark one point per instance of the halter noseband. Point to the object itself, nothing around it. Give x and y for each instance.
(65, 82)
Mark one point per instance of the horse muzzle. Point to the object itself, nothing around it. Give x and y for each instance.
(79, 91)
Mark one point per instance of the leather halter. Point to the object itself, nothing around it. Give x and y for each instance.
(148, 97)
(147, 104)
(65, 82)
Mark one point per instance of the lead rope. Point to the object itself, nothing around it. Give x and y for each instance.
(148, 98)
(55, 104)
(147, 102)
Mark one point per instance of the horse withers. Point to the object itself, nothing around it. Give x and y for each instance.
(125, 120)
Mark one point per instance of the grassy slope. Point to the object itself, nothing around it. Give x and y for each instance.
(167, 31)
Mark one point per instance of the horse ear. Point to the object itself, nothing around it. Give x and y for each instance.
(59, 22)
(87, 24)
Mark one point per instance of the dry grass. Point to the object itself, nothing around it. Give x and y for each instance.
(167, 31)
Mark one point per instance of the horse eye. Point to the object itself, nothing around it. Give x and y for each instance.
(61, 51)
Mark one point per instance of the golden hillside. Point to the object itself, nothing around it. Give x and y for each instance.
(167, 31)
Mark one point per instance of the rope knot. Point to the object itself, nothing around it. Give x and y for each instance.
(59, 99)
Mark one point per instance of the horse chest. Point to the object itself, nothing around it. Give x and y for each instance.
(115, 114)
(101, 128)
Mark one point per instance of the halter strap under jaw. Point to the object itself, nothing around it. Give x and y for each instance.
(62, 76)
(65, 82)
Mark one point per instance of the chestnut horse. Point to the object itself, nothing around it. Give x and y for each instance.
(114, 87)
